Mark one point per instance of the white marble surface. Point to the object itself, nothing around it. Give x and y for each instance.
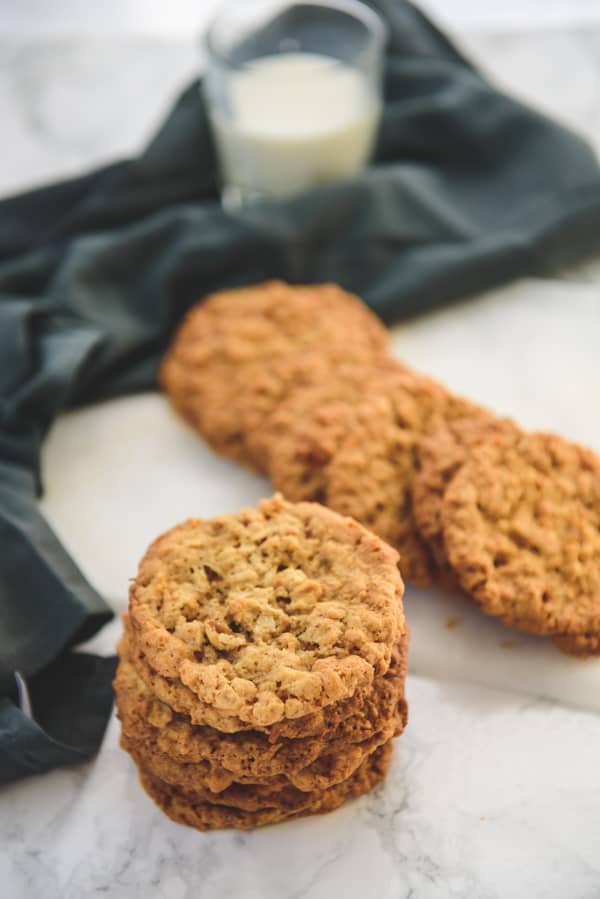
(490, 796)
(492, 793)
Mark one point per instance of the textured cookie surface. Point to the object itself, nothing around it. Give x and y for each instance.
(271, 387)
(371, 474)
(308, 427)
(270, 614)
(441, 454)
(285, 395)
(224, 343)
(187, 808)
(159, 734)
(521, 523)
(336, 763)
(184, 702)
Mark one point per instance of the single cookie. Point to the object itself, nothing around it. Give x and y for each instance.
(371, 474)
(185, 808)
(286, 394)
(278, 379)
(184, 703)
(271, 614)
(225, 342)
(287, 746)
(521, 525)
(305, 431)
(440, 456)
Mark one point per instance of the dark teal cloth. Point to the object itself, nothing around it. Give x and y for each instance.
(469, 188)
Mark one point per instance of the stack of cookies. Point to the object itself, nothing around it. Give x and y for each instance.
(297, 382)
(262, 668)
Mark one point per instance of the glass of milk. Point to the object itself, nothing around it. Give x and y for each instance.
(293, 91)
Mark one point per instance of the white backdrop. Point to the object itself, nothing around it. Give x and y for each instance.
(178, 17)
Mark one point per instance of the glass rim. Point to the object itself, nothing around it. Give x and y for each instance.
(355, 8)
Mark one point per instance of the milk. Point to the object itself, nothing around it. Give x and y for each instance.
(296, 120)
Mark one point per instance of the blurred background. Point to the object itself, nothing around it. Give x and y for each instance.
(83, 83)
(178, 16)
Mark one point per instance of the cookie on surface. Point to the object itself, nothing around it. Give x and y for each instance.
(306, 429)
(285, 395)
(186, 808)
(224, 343)
(521, 527)
(371, 473)
(440, 456)
(350, 715)
(271, 614)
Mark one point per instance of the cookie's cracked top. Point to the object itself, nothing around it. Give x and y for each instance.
(521, 525)
(272, 613)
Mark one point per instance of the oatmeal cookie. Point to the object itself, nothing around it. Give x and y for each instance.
(186, 808)
(270, 614)
(306, 429)
(336, 763)
(521, 526)
(372, 471)
(440, 456)
(284, 397)
(224, 343)
(582, 645)
(254, 755)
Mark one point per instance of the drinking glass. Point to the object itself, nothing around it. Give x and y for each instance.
(293, 91)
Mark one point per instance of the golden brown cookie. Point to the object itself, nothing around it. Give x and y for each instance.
(270, 614)
(582, 645)
(249, 797)
(272, 385)
(521, 524)
(336, 762)
(285, 747)
(306, 429)
(285, 396)
(179, 753)
(224, 343)
(182, 700)
(371, 473)
(440, 456)
(186, 808)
